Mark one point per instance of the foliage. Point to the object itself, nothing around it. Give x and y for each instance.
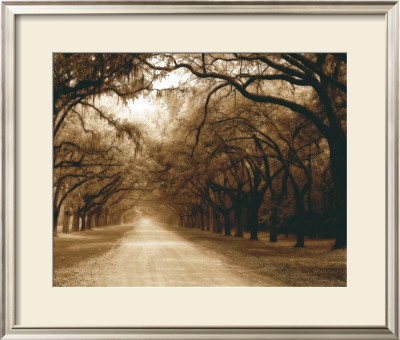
(239, 142)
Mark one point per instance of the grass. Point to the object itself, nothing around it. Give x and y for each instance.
(315, 265)
(71, 249)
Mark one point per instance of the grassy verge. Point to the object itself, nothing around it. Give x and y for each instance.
(71, 249)
(316, 265)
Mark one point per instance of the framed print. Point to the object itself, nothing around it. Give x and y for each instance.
(195, 170)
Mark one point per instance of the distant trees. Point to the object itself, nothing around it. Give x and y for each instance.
(90, 170)
(254, 141)
(94, 150)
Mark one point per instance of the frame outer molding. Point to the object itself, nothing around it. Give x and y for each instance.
(8, 170)
(392, 178)
(9, 11)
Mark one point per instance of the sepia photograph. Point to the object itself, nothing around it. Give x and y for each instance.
(199, 169)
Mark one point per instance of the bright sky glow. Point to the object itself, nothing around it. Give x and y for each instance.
(141, 109)
(172, 79)
(151, 112)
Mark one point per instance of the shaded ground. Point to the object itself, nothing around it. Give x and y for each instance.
(316, 265)
(153, 254)
(71, 251)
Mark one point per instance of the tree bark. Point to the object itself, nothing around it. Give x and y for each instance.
(253, 229)
(253, 222)
(83, 221)
(218, 225)
(197, 219)
(66, 221)
(238, 218)
(89, 221)
(201, 220)
(227, 225)
(97, 219)
(106, 216)
(208, 219)
(300, 221)
(75, 222)
(338, 158)
(55, 220)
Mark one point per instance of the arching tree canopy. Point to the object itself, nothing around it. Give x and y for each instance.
(230, 143)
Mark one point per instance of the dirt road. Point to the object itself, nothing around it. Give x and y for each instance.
(152, 255)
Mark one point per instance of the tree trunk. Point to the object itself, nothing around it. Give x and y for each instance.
(103, 218)
(83, 221)
(197, 219)
(55, 220)
(201, 220)
(273, 236)
(253, 222)
(97, 219)
(208, 219)
(75, 222)
(238, 218)
(227, 225)
(96, 222)
(89, 221)
(214, 221)
(67, 216)
(300, 221)
(274, 220)
(106, 216)
(338, 158)
(218, 228)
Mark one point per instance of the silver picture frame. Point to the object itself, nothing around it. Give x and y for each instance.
(14, 8)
